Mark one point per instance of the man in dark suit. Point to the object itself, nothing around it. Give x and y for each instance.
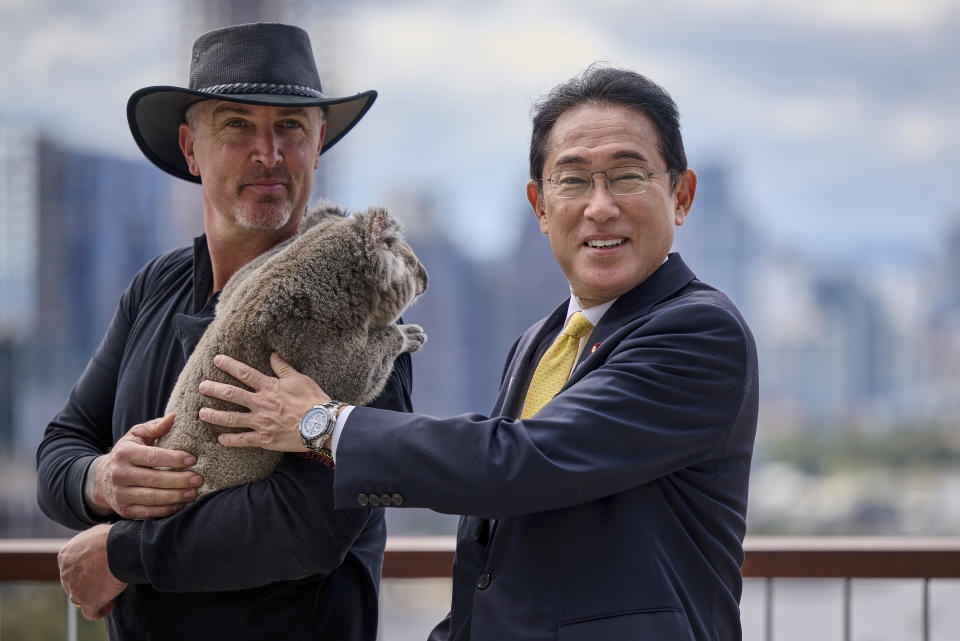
(605, 496)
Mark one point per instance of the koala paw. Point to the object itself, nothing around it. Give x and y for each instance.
(413, 337)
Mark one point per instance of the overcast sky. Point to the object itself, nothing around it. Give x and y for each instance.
(838, 118)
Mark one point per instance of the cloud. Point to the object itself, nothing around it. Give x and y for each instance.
(509, 48)
(924, 134)
(66, 45)
(76, 65)
(850, 14)
(11, 6)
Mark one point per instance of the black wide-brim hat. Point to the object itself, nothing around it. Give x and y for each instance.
(256, 64)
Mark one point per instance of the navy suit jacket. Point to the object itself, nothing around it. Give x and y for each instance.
(619, 508)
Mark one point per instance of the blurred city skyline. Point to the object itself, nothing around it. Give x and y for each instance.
(823, 134)
(837, 119)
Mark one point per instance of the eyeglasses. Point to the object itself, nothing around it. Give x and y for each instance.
(621, 181)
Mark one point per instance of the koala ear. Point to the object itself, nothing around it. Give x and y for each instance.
(323, 209)
(378, 229)
(381, 240)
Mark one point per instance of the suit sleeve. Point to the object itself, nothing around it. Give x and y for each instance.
(282, 528)
(666, 397)
(83, 428)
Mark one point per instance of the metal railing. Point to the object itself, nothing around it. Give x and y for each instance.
(849, 558)
(767, 558)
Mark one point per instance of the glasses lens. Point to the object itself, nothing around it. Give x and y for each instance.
(571, 183)
(624, 181)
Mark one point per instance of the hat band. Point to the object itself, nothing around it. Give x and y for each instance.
(263, 87)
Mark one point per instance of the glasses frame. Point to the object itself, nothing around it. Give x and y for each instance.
(606, 180)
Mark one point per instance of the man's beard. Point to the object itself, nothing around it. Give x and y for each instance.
(268, 214)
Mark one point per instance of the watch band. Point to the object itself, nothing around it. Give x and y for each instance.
(311, 434)
(334, 407)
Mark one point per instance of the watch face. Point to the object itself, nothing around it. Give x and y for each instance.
(314, 423)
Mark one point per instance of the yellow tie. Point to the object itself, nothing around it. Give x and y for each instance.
(555, 366)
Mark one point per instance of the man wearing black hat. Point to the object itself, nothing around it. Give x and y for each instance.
(250, 129)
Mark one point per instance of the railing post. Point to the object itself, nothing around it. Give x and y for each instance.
(768, 609)
(847, 610)
(71, 619)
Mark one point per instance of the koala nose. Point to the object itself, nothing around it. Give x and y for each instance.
(421, 279)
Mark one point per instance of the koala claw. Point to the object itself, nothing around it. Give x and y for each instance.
(413, 337)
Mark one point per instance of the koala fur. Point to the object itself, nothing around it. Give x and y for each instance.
(326, 301)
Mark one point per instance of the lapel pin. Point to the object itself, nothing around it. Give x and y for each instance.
(594, 348)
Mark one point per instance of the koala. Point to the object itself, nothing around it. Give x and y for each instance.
(326, 301)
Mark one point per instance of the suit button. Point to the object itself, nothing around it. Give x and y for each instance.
(374, 499)
(483, 581)
(385, 499)
(362, 500)
(396, 499)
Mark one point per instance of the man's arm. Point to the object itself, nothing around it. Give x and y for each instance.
(676, 391)
(82, 477)
(284, 527)
(81, 431)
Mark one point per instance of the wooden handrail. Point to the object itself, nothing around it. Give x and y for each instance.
(787, 557)
(419, 557)
(852, 557)
(29, 559)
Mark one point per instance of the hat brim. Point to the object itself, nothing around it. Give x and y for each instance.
(155, 115)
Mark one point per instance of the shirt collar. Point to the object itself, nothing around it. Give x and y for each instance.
(592, 314)
(595, 313)
(202, 273)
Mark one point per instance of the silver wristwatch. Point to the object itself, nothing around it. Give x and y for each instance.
(317, 424)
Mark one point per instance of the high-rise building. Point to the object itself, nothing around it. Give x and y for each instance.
(18, 259)
(100, 220)
(75, 226)
(948, 282)
(859, 333)
(717, 241)
(18, 229)
(943, 333)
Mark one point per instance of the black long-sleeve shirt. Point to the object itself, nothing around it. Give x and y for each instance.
(270, 559)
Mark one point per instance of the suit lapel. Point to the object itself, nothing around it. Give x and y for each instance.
(670, 278)
(524, 358)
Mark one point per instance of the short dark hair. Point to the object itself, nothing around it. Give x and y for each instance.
(603, 85)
